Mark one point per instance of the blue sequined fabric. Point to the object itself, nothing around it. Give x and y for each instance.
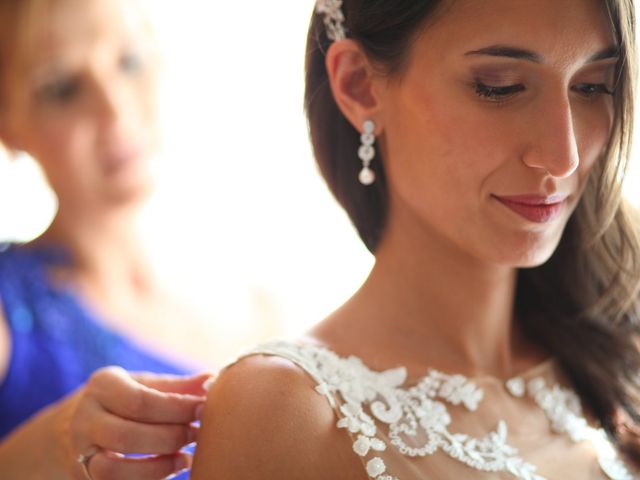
(56, 341)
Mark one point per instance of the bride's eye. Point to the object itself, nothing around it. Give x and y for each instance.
(591, 90)
(497, 93)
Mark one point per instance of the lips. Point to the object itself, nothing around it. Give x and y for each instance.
(119, 158)
(535, 208)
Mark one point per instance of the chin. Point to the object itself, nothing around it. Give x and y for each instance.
(130, 192)
(527, 251)
(535, 259)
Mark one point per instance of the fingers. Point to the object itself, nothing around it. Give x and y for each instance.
(119, 393)
(106, 465)
(193, 385)
(125, 436)
(142, 414)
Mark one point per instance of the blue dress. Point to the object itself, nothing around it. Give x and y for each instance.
(56, 342)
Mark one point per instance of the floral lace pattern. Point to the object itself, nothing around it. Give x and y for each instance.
(363, 396)
(563, 409)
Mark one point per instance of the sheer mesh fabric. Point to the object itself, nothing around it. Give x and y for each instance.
(542, 453)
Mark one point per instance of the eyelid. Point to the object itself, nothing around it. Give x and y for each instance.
(497, 94)
(597, 89)
(497, 77)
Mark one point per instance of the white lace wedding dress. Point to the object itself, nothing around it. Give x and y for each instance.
(444, 426)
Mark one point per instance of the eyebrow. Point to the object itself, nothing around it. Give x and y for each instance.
(612, 52)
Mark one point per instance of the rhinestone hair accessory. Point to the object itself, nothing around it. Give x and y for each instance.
(333, 18)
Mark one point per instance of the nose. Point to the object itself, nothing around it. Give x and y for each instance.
(110, 102)
(554, 146)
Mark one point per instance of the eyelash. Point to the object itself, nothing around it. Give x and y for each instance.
(496, 94)
(591, 89)
(503, 93)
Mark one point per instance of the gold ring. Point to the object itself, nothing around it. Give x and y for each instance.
(84, 461)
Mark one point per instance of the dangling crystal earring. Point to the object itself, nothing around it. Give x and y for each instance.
(367, 152)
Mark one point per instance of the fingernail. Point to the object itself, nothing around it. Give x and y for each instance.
(208, 382)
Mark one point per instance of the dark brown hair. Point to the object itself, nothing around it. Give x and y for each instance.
(583, 305)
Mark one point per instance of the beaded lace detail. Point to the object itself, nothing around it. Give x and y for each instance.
(362, 397)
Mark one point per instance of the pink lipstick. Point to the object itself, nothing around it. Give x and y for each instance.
(535, 208)
(116, 159)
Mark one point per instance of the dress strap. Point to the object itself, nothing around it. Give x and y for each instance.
(300, 356)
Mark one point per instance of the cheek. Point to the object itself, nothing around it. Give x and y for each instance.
(62, 147)
(593, 130)
(143, 99)
(61, 140)
(137, 121)
(437, 147)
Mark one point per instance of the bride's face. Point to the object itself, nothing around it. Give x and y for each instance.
(491, 133)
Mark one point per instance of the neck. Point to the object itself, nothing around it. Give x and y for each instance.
(445, 307)
(106, 253)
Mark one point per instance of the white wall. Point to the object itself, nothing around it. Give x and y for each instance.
(242, 226)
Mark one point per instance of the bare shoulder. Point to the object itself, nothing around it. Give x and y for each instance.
(264, 419)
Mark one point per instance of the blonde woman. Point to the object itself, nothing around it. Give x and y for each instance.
(479, 148)
(77, 88)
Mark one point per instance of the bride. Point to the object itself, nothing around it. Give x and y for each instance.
(479, 149)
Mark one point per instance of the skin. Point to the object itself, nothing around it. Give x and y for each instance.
(114, 412)
(83, 106)
(87, 111)
(441, 293)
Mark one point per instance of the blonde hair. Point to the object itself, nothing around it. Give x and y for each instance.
(21, 25)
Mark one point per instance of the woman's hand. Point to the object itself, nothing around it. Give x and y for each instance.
(115, 414)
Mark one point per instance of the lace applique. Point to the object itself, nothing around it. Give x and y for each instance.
(363, 396)
(563, 409)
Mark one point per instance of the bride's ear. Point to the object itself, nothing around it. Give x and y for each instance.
(353, 82)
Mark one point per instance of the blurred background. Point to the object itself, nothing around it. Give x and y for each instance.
(241, 225)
